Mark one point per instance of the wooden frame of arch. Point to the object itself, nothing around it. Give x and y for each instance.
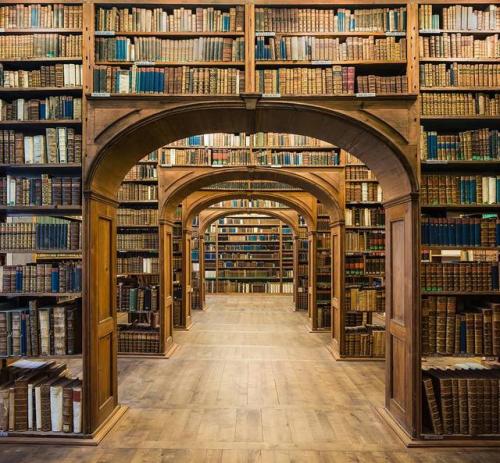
(382, 132)
(304, 203)
(209, 216)
(175, 183)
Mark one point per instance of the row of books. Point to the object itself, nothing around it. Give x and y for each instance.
(249, 203)
(460, 189)
(363, 191)
(247, 228)
(138, 339)
(40, 396)
(137, 192)
(137, 264)
(461, 231)
(324, 314)
(142, 172)
(310, 48)
(44, 191)
(365, 299)
(57, 16)
(481, 144)
(358, 173)
(59, 75)
(153, 49)
(459, 75)
(365, 265)
(223, 255)
(41, 331)
(364, 241)
(459, 276)
(458, 46)
(471, 328)
(335, 80)
(459, 17)
(248, 265)
(174, 80)
(137, 240)
(137, 216)
(61, 277)
(460, 104)
(160, 19)
(462, 400)
(246, 222)
(248, 273)
(59, 145)
(330, 20)
(356, 318)
(250, 185)
(38, 46)
(382, 85)
(364, 217)
(230, 286)
(132, 298)
(364, 341)
(209, 140)
(49, 108)
(48, 233)
(266, 139)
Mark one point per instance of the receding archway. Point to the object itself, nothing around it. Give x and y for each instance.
(383, 138)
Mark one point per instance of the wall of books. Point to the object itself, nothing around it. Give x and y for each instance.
(40, 217)
(459, 149)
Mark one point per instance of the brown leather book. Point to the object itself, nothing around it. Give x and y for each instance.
(432, 404)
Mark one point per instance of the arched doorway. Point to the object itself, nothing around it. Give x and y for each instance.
(385, 140)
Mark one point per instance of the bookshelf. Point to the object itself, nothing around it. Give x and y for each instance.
(40, 211)
(138, 275)
(458, 78)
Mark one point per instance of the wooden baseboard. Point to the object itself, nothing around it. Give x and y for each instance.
(82, 440)
(172, 349)
(435, 441)
(340, 358)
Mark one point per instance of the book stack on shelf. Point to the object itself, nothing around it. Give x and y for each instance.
(460, 194)
(138, 273)
(168, 50)
(40, 215)
(177, 246)
(323, 270)
(327, 51)
(364, 303)
(302, 280)
(196, 302)
(249, 253)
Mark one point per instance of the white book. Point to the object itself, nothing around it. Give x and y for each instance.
(56, 407)
(61, 145)
(38, 408)
(20, 109)
(123, 82)
(38, 149)
(492, 190)
(28, 150)
(485, 184)
(364, 191)
(66, 78)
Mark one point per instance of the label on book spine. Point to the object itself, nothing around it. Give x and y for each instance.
(218, 165)
(105, 33)
(2, 29)
(144, 63)
(271, 95)
(436, 161)
(365, 95)
(395, 33)
(321, 62)
(430, 31)
(101, 94)
(265, 34)
(277, 166)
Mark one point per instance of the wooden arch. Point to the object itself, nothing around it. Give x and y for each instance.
(383, 133)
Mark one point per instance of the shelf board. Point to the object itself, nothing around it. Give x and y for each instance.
(138, 201)
(354, 227)
(111, 33)
(263, 62)
(26, 294)
(137, 226)
(458, 118)
(124, 275)
(45, 166)
(140, 180)
(459, 89)
(458, 207)
(460, 247)
(459, 60)
(172, 63)
(366, 180)
(40, 30)
(137, 250)
(44, 59)
(332, 34)
(40, 89)
(457, 31)
(460, 293)
(462, 163)
(37, 209)
(42, 123)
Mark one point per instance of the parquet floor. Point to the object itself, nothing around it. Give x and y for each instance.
(249, 384)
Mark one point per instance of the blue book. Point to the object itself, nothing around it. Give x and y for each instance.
(54, 281)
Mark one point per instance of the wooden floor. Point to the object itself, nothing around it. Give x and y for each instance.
(249, 384)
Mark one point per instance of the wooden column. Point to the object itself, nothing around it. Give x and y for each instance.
(100, 335)
(337, 237)
(403, 376)
(296, 271)
(166, 230)
(313, 257)
(201, 260)
(187, 268)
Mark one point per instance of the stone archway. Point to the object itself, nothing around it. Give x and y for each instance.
(383, 134)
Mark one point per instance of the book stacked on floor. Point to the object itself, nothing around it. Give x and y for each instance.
(40, 396)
